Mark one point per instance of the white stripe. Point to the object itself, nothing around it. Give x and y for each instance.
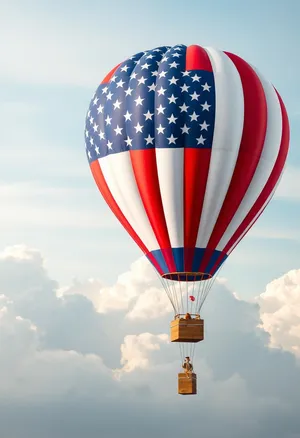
(266, 163)
(118, 173)
(256, 216)
(170, 176)
(228, 130)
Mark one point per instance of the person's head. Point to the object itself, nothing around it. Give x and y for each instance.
(187, 359)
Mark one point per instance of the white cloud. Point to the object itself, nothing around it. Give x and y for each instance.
(150, 304)
(18, 339)
(135, 351)
(280, 311)
(32, 372)
(126, 289)
(57, 354)
(22, 252)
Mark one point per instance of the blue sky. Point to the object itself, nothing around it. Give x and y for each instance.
(54, 56)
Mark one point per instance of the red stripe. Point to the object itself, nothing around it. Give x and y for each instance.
(145, 171)
(197, 59)
(252, 142)
(110, 74)
(105, 192)
(270, 184)
(196, 167)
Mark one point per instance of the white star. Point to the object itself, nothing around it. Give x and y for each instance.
(100, 109)
(149, 57)
(95, 127)
(95, 101)
(172, 119)
(101, 135)
(173, 65)
(164, 59)
(185, 129)
(125, 68)
(105, 90)
(185, 88)
(204, 125)
(87, 133)
(152, 87)
(142, 80)
(162, 74)
(108, 120)
(194, 117)
(118, 130)
(173, 80)
(178, 48)
(149, 139)
(148, 115)
(109, 145)
(194, 96)
(89, 154)
(128, 141)
(89, 113)
(127, 115)
(200, 140)
(138, 128)
(183, 108)
(156, 50)
(160, 129)
(160, 109)
(91, 120)
(205, 106)
(196, 78)
(128, 91)
(161, 91)
(206, 87)
(109, 96)
(117, 104)
(186, 73)
(113, 79)
(172, 99)
(91, 140)
(155, 73)
(133, 75)
(97, 150)
(146, 65)
(172, 139)
(120, 83)
(176, 55)
(139, 101)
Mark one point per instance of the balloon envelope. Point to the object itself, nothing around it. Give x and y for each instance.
(186, 145)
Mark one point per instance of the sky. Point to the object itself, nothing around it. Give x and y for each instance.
(69, 273)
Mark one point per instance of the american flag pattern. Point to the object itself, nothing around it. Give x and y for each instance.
(187, 146)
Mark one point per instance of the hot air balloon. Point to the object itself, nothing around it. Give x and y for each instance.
(187, 146)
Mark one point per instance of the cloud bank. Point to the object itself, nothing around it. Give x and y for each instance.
(91, 359)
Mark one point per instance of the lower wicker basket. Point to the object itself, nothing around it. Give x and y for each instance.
(187, 385)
